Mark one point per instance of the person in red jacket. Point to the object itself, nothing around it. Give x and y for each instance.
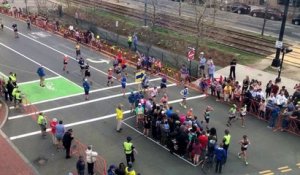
(53, 124)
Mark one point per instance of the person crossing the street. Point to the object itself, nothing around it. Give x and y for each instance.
(129, 150)
(86, 87)
(41, 73)
(119, 117)
(110, 77)
(15, 29)
(81, 63)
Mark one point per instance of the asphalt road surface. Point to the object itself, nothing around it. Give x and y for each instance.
(94, 122)
(227, 19)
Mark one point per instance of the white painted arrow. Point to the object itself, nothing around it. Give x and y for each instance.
(95, 61)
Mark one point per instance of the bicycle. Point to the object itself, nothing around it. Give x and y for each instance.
(207, 164)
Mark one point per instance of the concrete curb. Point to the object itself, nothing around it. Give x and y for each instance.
(5, 114)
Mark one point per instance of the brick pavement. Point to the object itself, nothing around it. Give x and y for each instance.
(12, 162)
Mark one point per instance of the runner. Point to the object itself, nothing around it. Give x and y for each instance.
(28, 23)
(110, 77)
(145, 83)
(131, 99)
(232, 115)
(77, 48)
(81, 65)
(87, 73)
(243, 114)
(163, 84)
(244, 146)
(154, 93)
(207, 115)
(1, 24)
(66, 59)
(164, 100)
(15, 28)
(123, 83)
(86, 87)
(184, 92)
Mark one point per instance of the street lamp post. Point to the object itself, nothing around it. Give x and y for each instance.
(284, 51)
(145, 15)
(276, 60)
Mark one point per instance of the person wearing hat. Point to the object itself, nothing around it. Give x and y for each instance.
(111, 170)
(232, 114)
(41, 73)
(226, 142)
(139, 111)
(128, 149)
(80, 166)
(42, 121)
(90, 159)
(53, 124)
(129, 169)
(67, 142)
(86, 87)
(202, 64)
(119, 117)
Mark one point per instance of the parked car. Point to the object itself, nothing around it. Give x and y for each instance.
(236, 7)
(296, 20)
(271, 13)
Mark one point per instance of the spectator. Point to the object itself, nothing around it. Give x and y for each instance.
(135, 42)
(202, 64)
(60, 131)
(269, 88)
(90, 159)
(281, 100)
(67, 142)
(221, 155)
(284, 92)
(262, 108)
(111, 170)
(53, 124)
(129, 170)
(121, 169)
(246, 83)
(80, 166)
(275, 88)
(197, 151)
(232, 69)
(227, 92)
(274, 116)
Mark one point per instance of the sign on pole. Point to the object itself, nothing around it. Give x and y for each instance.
(191, 54)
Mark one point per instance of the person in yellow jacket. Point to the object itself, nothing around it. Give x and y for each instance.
(129, 41)
(42, 121)
(129, 170)
(13, 77)
(18, 98)
(119, 117)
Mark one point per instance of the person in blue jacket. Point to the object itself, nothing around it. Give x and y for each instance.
(86, 87)
(41, 74)
(220, 156)
(131, 99)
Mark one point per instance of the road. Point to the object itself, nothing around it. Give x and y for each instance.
(93, 121)
(226, 19)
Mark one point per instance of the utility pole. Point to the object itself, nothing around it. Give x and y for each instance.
(179, 7)
(145, 15)
(26, 7)
(276, 60)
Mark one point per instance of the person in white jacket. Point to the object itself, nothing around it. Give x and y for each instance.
(90, 159)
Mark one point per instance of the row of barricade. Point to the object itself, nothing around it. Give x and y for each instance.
(282, 122)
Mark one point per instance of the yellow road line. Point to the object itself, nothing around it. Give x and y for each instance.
(286, 170)
(266, 171)
(284, 167)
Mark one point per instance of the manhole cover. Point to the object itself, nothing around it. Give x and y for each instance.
(41, 161)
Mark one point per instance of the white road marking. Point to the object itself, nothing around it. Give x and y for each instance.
(92, 91)
(76, 104)
(56, 50)
(155, 141)
(97, 61)
(34, 81)
(38, 64)
(93, 119)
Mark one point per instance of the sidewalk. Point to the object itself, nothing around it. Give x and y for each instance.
(242, 71)
(12, 162)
